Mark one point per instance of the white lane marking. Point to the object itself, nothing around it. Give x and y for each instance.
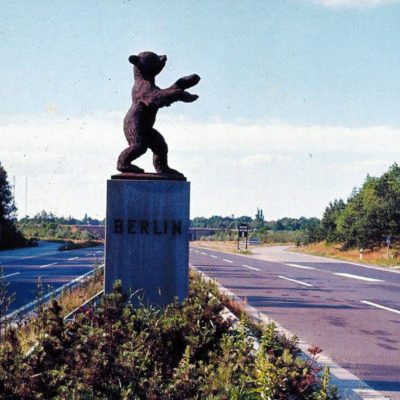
(296, 281)
(72, 258)
(229, 261)
(343, 379)
(204, 254)
(7, 276)
(370, 303)
(211, 255)
(370, 394)
(299, 266)
(361, 278)
(47, 265)
(253, 268)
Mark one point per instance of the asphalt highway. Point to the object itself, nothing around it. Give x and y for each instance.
(22, 267)
(350, 311)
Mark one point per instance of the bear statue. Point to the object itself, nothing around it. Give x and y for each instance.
(147, 98)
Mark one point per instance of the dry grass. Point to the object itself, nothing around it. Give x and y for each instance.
(69, 300)
(376, 257)
(228, 246)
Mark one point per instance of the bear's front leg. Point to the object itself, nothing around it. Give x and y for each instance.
(187, 81)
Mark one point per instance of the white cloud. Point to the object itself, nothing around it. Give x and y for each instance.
(287, 170)
(277, 138)
(258, 159)
(354, 3)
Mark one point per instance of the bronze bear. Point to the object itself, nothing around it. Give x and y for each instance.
(147, 98)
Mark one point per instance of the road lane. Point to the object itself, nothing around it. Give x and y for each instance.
(334, 310)
(21, 269)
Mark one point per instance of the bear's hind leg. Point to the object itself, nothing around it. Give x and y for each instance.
(127, 156)
(160, 158)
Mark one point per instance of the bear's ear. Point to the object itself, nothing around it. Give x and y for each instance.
(134, 60)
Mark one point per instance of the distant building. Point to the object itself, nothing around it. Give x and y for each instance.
(197, 233)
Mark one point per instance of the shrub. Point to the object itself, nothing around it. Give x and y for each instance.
(182, 351)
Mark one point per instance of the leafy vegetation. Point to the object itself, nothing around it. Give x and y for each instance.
(284, 230)
(10, 237)
(69, 299)
(370, 215)
(231, 223)
(46, 226)
(183, 351)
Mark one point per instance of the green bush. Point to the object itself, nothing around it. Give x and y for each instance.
(182, 351)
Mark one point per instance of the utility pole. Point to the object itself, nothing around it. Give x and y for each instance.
(26, 196)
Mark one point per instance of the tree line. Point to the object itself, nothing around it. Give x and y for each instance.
(257, 223)
(49, 217)
(368, 218)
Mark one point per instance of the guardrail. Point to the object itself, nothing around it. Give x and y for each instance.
(93, 300)
(28, 307)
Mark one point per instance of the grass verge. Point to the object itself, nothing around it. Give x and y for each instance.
(377, 256)
(28, 326)
(228, 246)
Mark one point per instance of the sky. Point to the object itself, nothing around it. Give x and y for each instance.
(299, 100)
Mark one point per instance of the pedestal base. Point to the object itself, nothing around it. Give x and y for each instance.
(147, 248)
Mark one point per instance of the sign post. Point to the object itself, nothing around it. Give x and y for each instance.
(388, 241)
(243, 230)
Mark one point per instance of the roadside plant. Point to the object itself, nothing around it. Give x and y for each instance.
(5, 301)
(181, 351)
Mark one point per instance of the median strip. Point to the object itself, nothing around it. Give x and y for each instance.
(370, 303)
(296, 281)
(361, 278)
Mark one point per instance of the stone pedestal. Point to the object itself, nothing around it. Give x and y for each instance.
(147, 228)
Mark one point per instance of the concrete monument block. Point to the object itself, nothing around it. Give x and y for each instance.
(147, 227)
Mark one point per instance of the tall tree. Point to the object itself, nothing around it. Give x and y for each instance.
(371, 214)
(329, 221)
(7, 205)
(9, 236)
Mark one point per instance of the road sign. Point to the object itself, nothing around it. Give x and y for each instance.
(243, 230)
(243, 227)
(388, 240)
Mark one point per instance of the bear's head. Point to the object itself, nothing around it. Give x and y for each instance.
(148, 63)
